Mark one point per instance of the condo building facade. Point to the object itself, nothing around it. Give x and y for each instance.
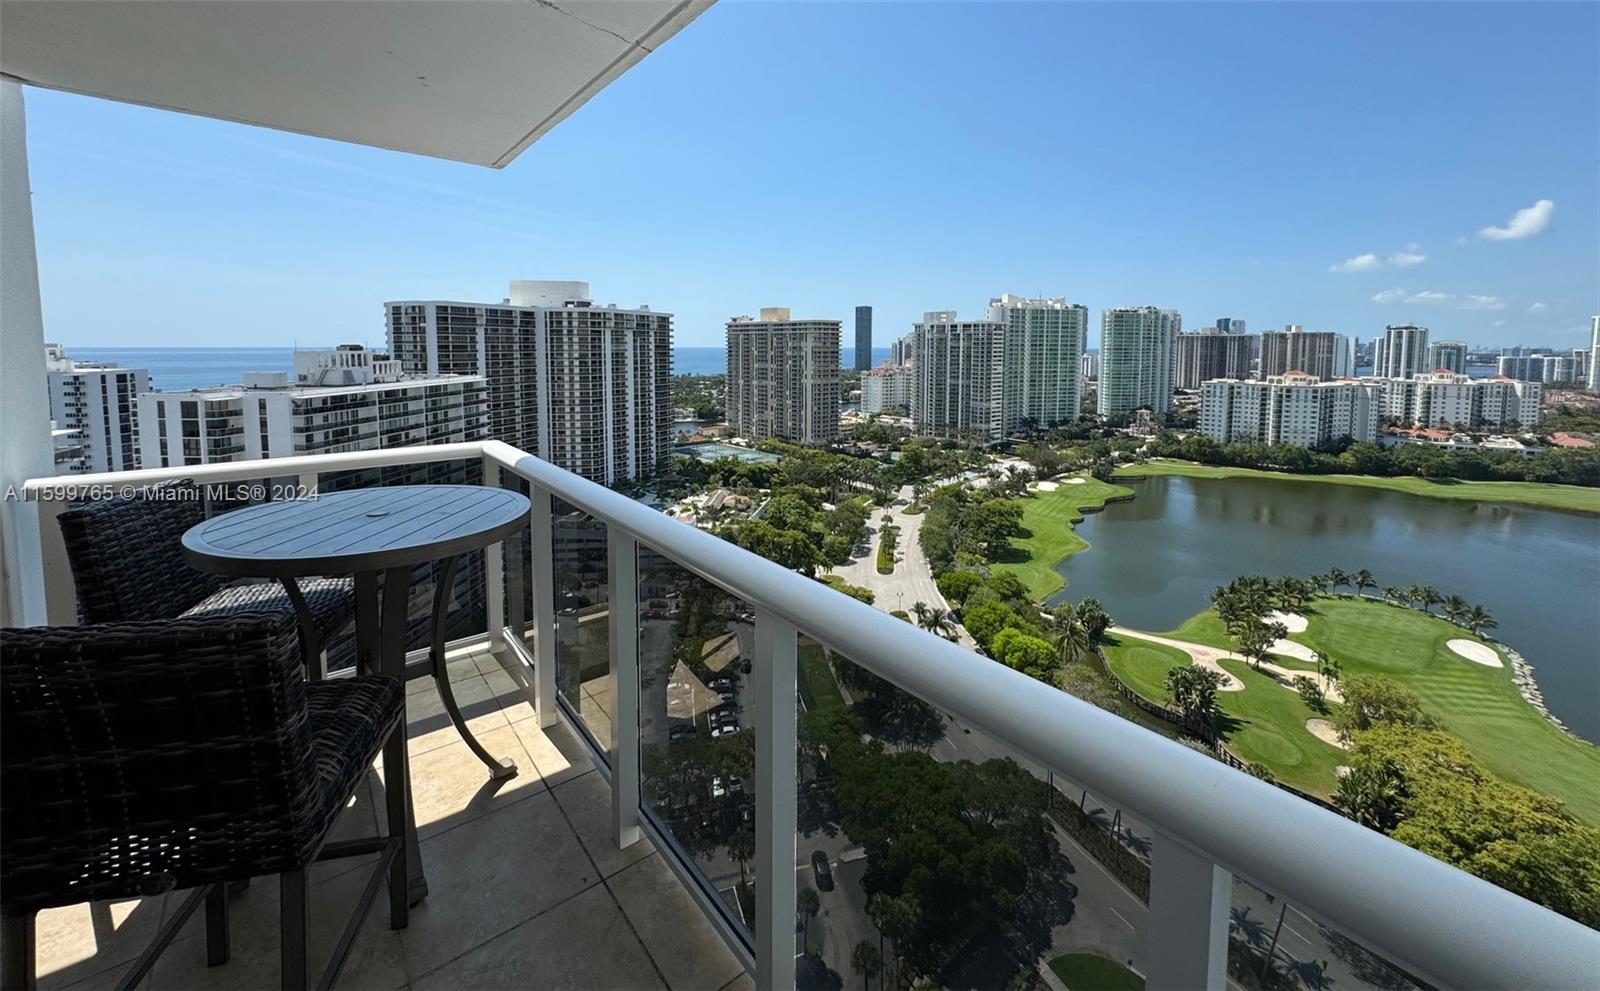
(1446, 399)
(863, 338)
(94, 408)
(958, 377)
(1592, 380)
(1289, 409)
(1448, 356)
(345, 399)
(1043, 349)
(1212, 354)
(583, 386)
(1319, 353)
(783, 378)
(886, 388)
(1401, 352)
(1138, 347)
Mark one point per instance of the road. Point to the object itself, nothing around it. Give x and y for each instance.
(912, 579)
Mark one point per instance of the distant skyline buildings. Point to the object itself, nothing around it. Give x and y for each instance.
(1594, 354)
(1320, 353)
(1137, 354)
(1401, 352)
(1447, 356)
(783, 377)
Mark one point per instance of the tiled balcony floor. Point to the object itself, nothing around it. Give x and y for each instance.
(527, 888)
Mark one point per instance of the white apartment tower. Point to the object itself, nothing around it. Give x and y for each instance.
(1447, 356)
(886, 387)
(1138, 346)
(346, 399)
(93, 406)
(1402, 352)
(958, 377)
(1445, 399)
(1043, 350)
(783, 378)
(1289, 409)
(583, 386)
(1593, 378)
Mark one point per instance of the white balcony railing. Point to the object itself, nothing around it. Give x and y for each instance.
(1210, 822)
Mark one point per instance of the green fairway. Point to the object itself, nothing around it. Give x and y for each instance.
(1575, 498)
(1047, 519)
(1265, 722)
(1481, 705)
(818, 690)
(1092, 972)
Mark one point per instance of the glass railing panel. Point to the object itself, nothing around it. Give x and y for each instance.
(1275, 945)
(697, 736)
(583, 638)
(928, 852)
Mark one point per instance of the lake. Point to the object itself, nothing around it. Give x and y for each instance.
(1153, 560)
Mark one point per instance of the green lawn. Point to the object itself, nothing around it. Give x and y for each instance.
(1575, 498)
(1481, 705)
(1092, 972)
(817, 687)
(1047, 518)
(1265, 722)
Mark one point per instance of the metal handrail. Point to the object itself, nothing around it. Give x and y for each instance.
(1443, 924)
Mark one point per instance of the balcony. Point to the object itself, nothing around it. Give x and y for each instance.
(690, 812)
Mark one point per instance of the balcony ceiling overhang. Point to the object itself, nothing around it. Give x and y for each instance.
(468, 80)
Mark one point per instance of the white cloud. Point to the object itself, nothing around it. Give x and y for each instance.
(1360, 263)
(1499, 323)
(1407, 258)
(1538, 308)
(1430, 296)
(1524, 223)
(1390, 296)
(1480, 302)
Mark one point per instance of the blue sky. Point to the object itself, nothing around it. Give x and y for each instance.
(1220, 159)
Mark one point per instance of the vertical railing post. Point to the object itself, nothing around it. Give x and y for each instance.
(60, 595)
(1187, 930)
(494, 596)
(308, 484)
(773, 673)
(622, 570)
(543, 590)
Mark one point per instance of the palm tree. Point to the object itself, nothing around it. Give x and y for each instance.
(742, 848)
(1430, 597)
(937, 620)
(920, 610)
(1327, 666)
(1394, 593)
(867, 961)
(1337, 578)
(1071, 640)
(1414, 595)
(1363, 580)
(1455, 607)
(1479, 620)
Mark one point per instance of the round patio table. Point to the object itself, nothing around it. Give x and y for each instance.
(367, 532)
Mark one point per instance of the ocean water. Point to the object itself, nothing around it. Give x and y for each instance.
(195, 368)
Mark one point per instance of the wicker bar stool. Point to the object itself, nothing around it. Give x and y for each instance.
(127, 565)
(140, 758)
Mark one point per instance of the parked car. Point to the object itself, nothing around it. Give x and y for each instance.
(717, 788)
(735, 784)
(721, 682)
(725, 729)
(821, 871)
(682, 731)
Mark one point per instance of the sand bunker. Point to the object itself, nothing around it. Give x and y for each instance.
(1298, 651)
(1476, 652)
(1073, 481)
(1046, 486)
(1292, 621)
(1324, 731)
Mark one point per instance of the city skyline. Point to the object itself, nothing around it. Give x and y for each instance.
(1362, 225)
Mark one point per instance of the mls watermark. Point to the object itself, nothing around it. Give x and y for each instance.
(219, 492)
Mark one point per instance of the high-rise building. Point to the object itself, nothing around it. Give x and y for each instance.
(1448, 356)
(1523, 367)
(958, 377)
(1319, 353)
(585, 387)
(1043, 348)
(346, 399)
(1137, 345)
(1089, 367)
(1446, 399)
(886, 387)
(1593, 378)
(900, 349)
(863, 338)
(1230, 325)
(783, 378)
(94, 409)
(1212, 354)
(1401, 353)
(1289, 409)
(1580, 365)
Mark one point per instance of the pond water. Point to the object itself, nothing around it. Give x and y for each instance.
(1153, 560)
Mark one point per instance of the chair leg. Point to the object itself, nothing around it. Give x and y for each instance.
(19, 966)
(394, 793)
(293, 904)
(218, 945)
